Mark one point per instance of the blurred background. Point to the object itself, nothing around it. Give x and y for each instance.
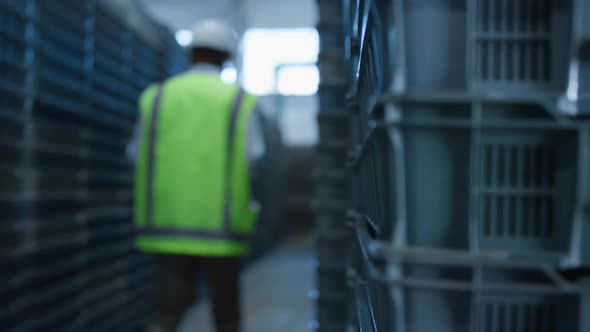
(428, 162)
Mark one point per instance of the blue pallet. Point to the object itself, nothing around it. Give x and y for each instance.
(81, 102)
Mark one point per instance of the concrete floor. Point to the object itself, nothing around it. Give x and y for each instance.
(275, 295)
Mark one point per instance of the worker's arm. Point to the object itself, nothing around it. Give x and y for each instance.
(132, 150)
(134, 144)
(255, 152)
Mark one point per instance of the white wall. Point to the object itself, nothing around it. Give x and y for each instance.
(296, 118)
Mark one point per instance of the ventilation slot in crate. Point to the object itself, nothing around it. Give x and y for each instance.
(516, 317)
(514, 41)
(517, 191)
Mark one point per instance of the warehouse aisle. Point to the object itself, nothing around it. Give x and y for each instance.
(276, 294)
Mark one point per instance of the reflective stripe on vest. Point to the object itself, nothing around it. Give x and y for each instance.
(225, 233)
(230, 148)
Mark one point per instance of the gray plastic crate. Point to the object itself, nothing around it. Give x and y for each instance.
(365, 54)
(515, 47)
(576, 98)
(372, 308)
(520, 44)
(466, 292)
(483, 177)
(507, 49)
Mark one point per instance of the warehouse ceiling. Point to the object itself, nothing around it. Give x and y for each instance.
(244, 14)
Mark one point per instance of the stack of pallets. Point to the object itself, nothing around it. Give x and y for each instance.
(71, 75)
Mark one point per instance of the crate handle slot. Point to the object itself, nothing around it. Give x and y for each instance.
(376, 252)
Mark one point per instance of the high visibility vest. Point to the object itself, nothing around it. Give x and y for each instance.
(192, 188)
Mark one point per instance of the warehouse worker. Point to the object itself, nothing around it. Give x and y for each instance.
(198, 145)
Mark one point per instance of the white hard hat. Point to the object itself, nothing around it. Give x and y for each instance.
(215, 35)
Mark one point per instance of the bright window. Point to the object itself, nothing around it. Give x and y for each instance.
(301, 80)
(264, 50)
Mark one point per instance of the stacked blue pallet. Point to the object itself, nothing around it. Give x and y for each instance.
(68, 111)
(471, 185)
(15, 66)
(332, 236)
(176, 60)
(142, 71)
(120, 276)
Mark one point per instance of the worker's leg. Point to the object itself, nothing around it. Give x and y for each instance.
(223, 281)
(173, 291)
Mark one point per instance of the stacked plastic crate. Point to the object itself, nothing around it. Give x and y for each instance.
(16, 63)
(332, 237)
(575, 101)
(470, 185)
(69, 101)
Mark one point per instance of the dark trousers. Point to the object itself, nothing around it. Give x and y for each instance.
(175, 288)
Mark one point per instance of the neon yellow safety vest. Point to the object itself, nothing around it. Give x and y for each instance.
(192, 189)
